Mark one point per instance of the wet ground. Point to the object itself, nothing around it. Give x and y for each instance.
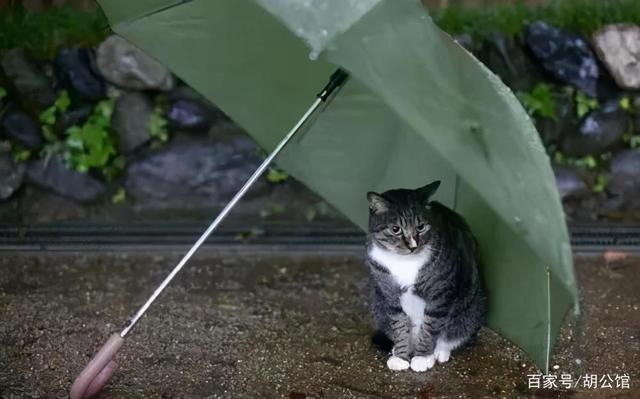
(245, 326)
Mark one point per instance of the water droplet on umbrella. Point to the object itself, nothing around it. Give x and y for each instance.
(313, 55)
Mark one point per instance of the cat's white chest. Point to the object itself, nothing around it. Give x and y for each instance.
(404, 269)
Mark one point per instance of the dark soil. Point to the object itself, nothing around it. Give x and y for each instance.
(254, 326)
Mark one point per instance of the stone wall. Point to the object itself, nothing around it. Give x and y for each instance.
(111, 125)
(581, 93)
(108, 126)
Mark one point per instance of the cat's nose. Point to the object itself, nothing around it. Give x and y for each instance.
(412, 244)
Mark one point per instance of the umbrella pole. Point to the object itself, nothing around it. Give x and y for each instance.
(97, 373)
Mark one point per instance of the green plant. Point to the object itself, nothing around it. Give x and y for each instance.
(120, 196)
(578, 16)
(158, 125)
(540, 101)
(584, 104)
(115, 168)
(601, 183)
(91, 145)
(634, 141)
(48, 119)
(586, 162)
(49, 116)
(43, 33)
(276, 175)
(19, 153)
(625, 103)
(3, 92)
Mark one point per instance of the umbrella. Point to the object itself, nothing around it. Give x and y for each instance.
(417, 108)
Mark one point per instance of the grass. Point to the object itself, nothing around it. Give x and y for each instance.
(43, 33)
(577, 16)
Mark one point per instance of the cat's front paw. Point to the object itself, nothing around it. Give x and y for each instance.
(396, 364)
(422, 363)
(442, 355)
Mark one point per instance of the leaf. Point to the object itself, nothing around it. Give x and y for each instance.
(276, 175)
(51, 148)
(115, 168)
(584, 104)
(120, 196)
(91, 146)
(540, 101)
(48, 116)
(47, 132)
(601, 183)
(62, 102)
(625, 103)
(74, 139)
(588, 162)
(3, 92)
(21, 154)
(104, 108)
(158, 125)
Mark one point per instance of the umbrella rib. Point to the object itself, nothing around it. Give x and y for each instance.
(265, 164)
(157, 11)
(548, 349)
(337, 80)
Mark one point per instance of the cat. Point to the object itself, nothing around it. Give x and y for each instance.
(426, 292)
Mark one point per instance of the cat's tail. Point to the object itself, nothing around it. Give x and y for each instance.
(381, 342)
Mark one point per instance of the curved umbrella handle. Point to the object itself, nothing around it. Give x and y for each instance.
(96, 374)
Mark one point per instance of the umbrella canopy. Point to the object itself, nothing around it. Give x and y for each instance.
(418, 107)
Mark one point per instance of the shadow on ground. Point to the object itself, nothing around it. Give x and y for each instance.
(294, 327)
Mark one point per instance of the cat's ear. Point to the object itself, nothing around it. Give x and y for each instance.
(377, 203)
(427, 191)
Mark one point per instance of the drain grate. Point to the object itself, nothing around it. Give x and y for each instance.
(598, 238)
(264, 237)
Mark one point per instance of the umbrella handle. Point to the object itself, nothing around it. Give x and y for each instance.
(96, 374)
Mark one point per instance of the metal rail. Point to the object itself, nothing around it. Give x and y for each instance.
(337, 236)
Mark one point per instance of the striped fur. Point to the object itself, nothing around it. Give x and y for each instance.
(426, 291)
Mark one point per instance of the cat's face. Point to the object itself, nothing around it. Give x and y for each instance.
(400, 220)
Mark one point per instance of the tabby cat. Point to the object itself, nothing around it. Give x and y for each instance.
(426, 292)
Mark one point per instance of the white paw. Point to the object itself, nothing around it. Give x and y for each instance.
(442, 356)
(397, 364)
(419, 363)
(422, 363)
(431, 361)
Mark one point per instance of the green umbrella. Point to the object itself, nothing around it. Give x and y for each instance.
(417, 108)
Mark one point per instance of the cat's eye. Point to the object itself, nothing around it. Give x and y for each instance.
(396, 230)
(421, 228)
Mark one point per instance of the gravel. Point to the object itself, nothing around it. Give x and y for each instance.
(242, 326)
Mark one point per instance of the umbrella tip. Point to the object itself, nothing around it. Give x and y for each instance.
(337, 79)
